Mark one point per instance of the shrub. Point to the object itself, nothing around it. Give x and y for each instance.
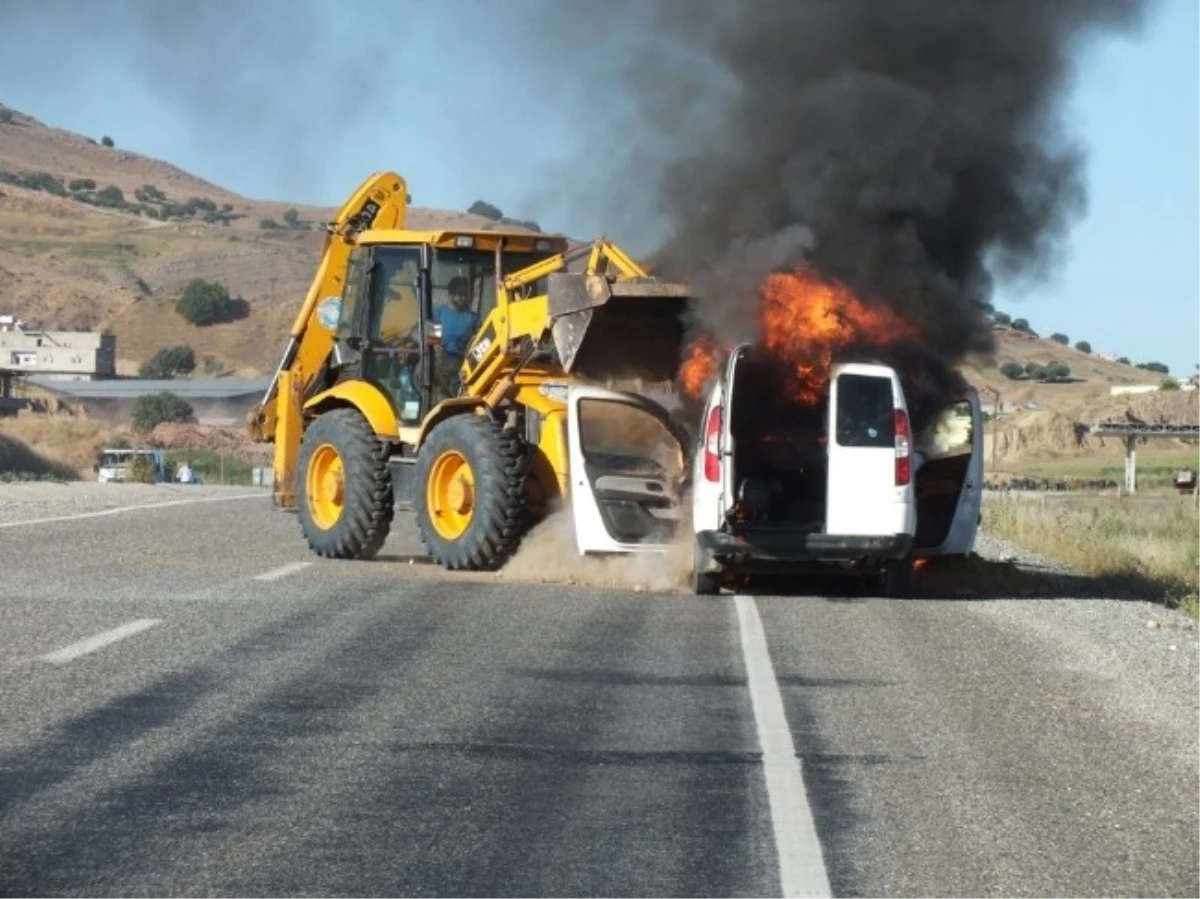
(110, 196)
(267, 224)
(169, 362)
(1022, 325)
(1156, 367)
(82, 184)
(1057, 371)
(209, 303)
(1124, 360)
(1036, 371)
(291, 218)
(106, 141)
(1012, 370)
(1169, 384)
(1083, 346)
(1002, 318)
(153, 409)
(6, 116)
(1060, 337)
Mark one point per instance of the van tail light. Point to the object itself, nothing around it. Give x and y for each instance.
(903, 449)
(712, 443)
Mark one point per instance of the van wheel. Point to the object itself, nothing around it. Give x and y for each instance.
(704, 583)
(899, 578)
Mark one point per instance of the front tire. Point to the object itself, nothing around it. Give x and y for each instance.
(704, 582)
(470, 493)
(343, 487)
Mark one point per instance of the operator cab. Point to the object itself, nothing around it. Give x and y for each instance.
(413, 304)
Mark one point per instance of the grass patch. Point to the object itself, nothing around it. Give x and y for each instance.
(1147, 547)
(20, 463)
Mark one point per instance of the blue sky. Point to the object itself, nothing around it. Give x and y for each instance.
(302, 107)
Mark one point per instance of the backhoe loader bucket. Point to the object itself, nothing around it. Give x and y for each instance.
(624, 329)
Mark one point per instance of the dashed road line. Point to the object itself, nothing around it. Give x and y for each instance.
(801, 863)
(119, 509)
(283, 571)
(99, 641)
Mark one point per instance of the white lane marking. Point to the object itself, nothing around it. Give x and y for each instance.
(283, 571)
(801, 863)
(99, 641)
(120, 509)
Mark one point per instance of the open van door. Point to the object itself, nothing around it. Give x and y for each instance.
(869, 488)
(713, 472)
(949, 485)
(628, 470)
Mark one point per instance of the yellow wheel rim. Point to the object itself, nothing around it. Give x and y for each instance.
(450, 495)
(326, 486)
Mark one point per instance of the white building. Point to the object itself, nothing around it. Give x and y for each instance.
(61, 355)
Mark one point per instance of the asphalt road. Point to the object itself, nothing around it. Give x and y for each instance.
(191, 704)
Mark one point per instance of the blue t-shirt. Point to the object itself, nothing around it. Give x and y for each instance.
(457, 327)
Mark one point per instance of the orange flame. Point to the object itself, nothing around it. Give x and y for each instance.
(704, 355)
(806, 321)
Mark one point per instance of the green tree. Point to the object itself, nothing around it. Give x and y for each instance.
(1060, 337)
(1012, 370)
(1057, 371)
(110, 196)
(169, 362)
(1083, 346)
(267, 224)
(205, 303)
(1124, 360)
(291, 218)
(1002, 318)
(1035, 371)
(1157, 367)
(1022, 325)
(82, 184)
(1169, 384)
(153, 409)
(106, 141)
(6, 116)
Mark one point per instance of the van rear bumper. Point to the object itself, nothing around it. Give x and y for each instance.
(787, 545)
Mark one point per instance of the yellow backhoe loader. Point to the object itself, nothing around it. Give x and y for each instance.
(438, 365)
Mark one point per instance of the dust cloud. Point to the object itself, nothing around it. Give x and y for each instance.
(548, 554)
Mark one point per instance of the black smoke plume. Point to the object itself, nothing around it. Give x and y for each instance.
(912, 149)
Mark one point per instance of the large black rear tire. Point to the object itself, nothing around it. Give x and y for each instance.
(470, 494)
(343, 487)
(900, 578)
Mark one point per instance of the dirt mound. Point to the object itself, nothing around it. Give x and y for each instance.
(1041, 434)
(208, 437)
(1177, 406)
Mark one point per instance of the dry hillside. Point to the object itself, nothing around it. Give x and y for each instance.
(68, 264)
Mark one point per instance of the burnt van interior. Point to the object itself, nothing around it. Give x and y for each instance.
(779, 465)
(634, 464)
(946, 445)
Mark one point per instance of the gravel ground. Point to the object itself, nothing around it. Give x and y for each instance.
(47, 499)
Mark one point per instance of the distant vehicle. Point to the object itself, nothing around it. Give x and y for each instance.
(1185, 481)
(114, 464)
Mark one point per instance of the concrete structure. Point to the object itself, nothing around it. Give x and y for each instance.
(1132, 432)
(218, 401)
(61, 355)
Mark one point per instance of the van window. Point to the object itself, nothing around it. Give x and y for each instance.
(864, 411)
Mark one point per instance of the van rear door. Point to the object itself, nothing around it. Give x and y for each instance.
(869, 490)
(627, 471)
(949, 486)
(713, 467)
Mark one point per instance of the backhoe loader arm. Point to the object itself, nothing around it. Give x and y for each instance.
(572, 305)
(381, 201)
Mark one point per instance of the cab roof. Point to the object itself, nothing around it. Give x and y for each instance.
(482, 239)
